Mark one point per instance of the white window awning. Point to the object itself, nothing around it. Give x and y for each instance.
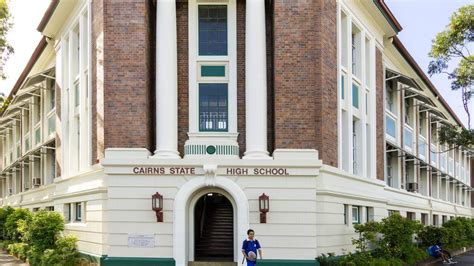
(31, 86)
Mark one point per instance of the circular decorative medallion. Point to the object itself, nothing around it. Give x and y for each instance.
(211, 149)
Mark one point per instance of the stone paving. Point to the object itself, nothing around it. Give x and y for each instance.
(7, 260)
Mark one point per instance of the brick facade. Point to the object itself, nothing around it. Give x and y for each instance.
(305, 77)
(380, 112)
(126, 67)
(183, 77)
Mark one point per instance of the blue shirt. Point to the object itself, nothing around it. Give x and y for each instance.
(433, 250)
(250, 245)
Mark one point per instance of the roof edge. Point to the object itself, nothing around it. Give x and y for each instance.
(47, 15)
(388, 15)
(24, 74)
(401, 48)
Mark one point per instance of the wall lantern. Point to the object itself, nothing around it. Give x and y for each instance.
(264, 206)
(157, 206)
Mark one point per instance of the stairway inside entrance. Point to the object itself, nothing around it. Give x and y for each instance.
(214, 227)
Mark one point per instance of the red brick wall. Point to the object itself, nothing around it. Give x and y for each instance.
(183, 89)
(379, 109)
(241, 75)
(128, 73)
(305, 76)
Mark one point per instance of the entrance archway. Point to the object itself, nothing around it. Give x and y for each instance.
(213, 228)
(183, 209)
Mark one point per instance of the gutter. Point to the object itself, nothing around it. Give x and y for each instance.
(380, 4)
(47, 15)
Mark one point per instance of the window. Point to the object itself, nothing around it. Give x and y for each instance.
(354, 147)
(392, 212)
(67, 212)
(390, 126)
(213, 107)
(435, 219)
(346, 209)
(75, 112)
(424, 219)
(411, 216)
(343, 79)
(354, 51)
(36, 209)
(355, 214)
(212, 29)
(389, 170)
(355, 95)
(369, 212)
(445, 218)
(78, 207)
(49, 208)
(407, 112)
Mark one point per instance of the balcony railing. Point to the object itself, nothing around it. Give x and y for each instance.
(213, 121)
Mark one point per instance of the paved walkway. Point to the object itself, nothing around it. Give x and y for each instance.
(465, 259)
(7, 260)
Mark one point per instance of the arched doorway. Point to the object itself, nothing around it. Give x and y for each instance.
(213, 228)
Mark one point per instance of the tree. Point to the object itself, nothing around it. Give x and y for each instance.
(5, 25)
(453, 43)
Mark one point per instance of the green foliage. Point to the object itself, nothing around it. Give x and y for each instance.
(18, 249)
(4, 213)
(39, 234)
(431, 235)
(398, 235)
(458, 233)
(391, 242)
(4, 103)
(64, 253)
(12, 222)
(456, 136)
(453, 42)
(5, 25)
(44, 229)
(367, 234)
(329, 259)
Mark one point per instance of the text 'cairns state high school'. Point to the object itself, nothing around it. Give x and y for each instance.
(163, 130)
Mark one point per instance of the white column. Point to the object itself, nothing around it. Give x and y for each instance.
(166, 80)
(255, 80)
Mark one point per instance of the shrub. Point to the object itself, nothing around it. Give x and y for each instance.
(64, 253)
(4, 213)
(430, 235)
(11, 224)
(44, 229)
(329, 259)
(18, 249)
(397, 241)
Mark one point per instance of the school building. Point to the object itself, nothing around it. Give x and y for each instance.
(162, 130)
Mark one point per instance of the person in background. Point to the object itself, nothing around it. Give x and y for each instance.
(250, 247)
(436, 251)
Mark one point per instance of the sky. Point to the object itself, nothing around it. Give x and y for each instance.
(420, 19)
(23, 37)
